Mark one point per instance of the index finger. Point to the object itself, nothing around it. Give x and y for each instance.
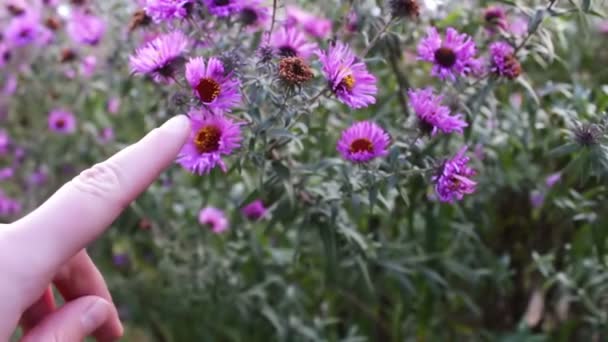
(83, 208)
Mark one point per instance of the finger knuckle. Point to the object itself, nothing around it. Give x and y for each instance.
(102, 180)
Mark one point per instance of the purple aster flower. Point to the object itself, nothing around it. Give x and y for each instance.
(254, 210)
(452, 56)
(553, 178)
(290, 42)
(254, 15)
(363, 142)
(453, 180)
(5, 142)
(62, 121)
(212, 136)
(85, 28)
(106, 135)
(433, 116)
(503, 60)
(495, 19)
(114, 105)
(88, 66)
(214, 87)
(214, 218)
(159, 57)
(8, 206)
(37, 178)
(223, 8)
(22, 30)
(6, 173)
(348, 76)
(166, 10)
(313, 25)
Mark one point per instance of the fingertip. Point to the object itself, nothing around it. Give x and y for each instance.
(179, 124)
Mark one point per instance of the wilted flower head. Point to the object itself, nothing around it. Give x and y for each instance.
(294, 71)
(453, 179)
(166, 10)
(314, 25)
(363, 142)
(254, 15)
(159, 57)
(212, 136)
(223, 8)
(62, 122)
(452, 56)
(404, 8)
(254, 210)
(495, 19)
(211, 84)
(347, 76)
(85, 28)
(265, 53)
(504, 63)
(433, 116)
(214, 218)
(290, 42)
(587, 134)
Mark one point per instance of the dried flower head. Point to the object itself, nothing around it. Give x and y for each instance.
(67, 56)
(587, 134)
(139, 19)
(504, 62)
(404, 8)
(294, 71)
(52, 23)
(232, 62)
(265, 53)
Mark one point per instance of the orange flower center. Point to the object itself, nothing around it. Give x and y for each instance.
(208, 89)
(207, 139)
(348, 82)
(361, 145)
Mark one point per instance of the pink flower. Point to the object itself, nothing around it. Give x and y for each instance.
(213, 218)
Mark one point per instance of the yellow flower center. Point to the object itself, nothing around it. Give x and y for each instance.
(361, 145)
(208, 89)
(207, 139)
(348, 82)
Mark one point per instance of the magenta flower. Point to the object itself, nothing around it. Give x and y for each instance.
(495, 19)
(158, 57)
(503, 60)
(5, 55)
(5, 142)
(212, 136)
(553, 178)
(166, 10)
(211, 84)
(37, 178)
(348, 76)
(254, 15)
(23, 30)
(254, 210)
(453, 180)
(352, 22)
(452, 56)
(8, 206)
(290, 42)
(519, 26)
(62, 121)
(363, 142)
(6, 173)
(433, 116)
(88, 66)
(85, 28)
(223, 8)
(114, 105)
(214, 218)
(313, 25)
(106, 135)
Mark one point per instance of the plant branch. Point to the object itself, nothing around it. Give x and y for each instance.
(375, 39)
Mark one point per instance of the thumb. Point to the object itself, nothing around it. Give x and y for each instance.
(72, 322)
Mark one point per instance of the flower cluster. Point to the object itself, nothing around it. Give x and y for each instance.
(217, 221)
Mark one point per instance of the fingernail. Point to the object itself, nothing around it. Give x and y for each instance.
(95, 315)
(176, 124)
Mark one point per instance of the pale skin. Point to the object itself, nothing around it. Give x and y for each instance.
(47, 247)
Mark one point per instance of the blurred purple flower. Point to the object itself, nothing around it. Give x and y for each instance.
(363, 142)
(553, 178)
(121, 259)
(22, 30)
(106, 135)
(433, 116)
(347, 76)
(518, 26)
(223, 8)
(166, 10)
(212, 135)
(314, 25)
(88, 66)
(5, 142)
(10, 84)
(495, 19)
(254, 15)
(5, 55)
(8, 206)
(214, 218)
(603, 27)
(254, 210)
(452, 56)
(62, 121)
(211, 84)
(114, 105)
(537, 199)
(290, 42)
(6, 173)
(453, 180)
(157, 58)
(37, 178)
(352, 22)
(19, 155)
(85, 28)
(504, 63)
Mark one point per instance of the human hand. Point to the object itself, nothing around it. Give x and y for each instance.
(47, 246)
